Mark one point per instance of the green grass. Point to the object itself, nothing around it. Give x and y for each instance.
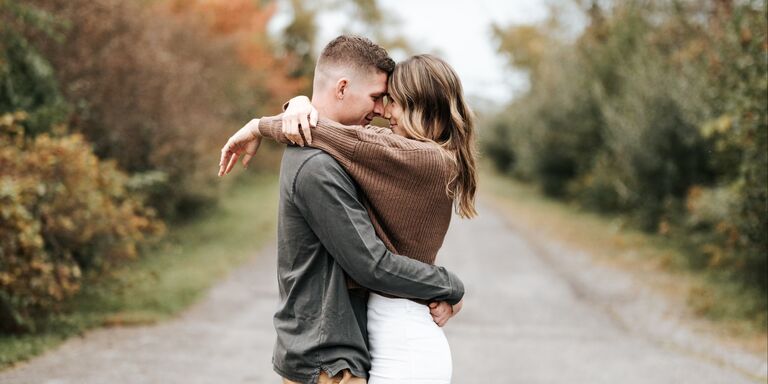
(168, 278)
(737, 313)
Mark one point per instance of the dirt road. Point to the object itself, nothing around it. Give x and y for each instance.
(535, 312)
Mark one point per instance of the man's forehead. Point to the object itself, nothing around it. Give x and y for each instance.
(378, 80)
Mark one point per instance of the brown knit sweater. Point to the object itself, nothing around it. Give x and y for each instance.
(403, 182)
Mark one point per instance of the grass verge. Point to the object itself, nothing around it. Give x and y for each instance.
(736, 315)
(168, 278)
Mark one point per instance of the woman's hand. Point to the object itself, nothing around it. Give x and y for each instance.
(441, 311)
(245, 142)
(300, 114)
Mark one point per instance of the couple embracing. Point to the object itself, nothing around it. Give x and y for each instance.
(363, 213)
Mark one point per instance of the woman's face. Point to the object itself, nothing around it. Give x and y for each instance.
(394, 113)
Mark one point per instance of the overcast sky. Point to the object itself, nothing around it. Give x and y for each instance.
(459, 31)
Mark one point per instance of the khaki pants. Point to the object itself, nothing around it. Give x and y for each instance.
(343, 377)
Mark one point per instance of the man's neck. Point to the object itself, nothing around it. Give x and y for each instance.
(323, 109)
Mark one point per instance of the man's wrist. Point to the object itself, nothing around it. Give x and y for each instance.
(457, 289)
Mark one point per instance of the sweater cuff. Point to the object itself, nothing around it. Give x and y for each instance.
(272, 127)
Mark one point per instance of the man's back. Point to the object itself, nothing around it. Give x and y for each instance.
(317, 321)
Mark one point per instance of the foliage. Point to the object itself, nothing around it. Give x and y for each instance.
(27, 81)
(657, 111)
(63, 212)
(158, 85)
(148, 90)
(169, 277)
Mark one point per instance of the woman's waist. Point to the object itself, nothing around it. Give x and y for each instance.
(383, 300)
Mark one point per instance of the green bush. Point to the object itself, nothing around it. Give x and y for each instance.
(655, 111)
(27, 81)
(651, 134)
(63, 212)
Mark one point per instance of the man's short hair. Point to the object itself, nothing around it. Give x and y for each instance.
(357, 51)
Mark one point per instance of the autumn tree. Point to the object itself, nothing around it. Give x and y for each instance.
(655, 111)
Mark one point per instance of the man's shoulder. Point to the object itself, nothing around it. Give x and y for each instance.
(301, 159)
(313, 165)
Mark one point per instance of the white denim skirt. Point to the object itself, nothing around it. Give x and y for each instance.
(406, 345)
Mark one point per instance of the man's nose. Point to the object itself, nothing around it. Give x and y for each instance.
(378, 108)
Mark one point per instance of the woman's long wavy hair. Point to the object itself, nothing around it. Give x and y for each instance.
(432, 99)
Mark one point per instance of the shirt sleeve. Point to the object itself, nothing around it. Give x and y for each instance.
(327, 198)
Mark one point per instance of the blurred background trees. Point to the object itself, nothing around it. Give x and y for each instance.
(655, 111)
(112, 114)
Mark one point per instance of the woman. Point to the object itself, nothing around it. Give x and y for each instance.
(428, 166)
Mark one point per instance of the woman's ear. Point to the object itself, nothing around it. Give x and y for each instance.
(341, 88)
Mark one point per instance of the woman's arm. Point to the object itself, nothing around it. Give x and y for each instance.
(299, 115)
(365, 146)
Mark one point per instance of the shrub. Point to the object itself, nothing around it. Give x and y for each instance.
(63, 212)
(27, 80)
(159, 86)
(655, 111)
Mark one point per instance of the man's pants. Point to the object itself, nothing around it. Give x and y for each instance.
(343, 377)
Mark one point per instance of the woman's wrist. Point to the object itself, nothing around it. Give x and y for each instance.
(253, 128)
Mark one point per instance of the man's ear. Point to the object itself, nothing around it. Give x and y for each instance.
(341, 88)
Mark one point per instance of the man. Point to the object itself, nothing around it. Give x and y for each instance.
(324, 231)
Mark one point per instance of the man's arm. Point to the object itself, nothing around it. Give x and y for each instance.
(327, 197)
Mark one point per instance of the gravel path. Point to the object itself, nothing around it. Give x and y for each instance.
(535, 313)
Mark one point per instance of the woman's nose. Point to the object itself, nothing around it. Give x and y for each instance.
(387, 107)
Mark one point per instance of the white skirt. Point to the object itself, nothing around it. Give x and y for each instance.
(406, 345)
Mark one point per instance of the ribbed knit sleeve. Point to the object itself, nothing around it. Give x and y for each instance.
(404, 180)
(335, 139)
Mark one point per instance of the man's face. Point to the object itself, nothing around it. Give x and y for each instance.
(363, 99)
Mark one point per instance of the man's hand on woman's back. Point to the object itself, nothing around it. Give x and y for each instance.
(441, 311)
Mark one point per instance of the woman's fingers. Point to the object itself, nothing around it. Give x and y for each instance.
(250, 151)
(294, 125)
(313, 117)
(221, 164)
(225, 155)
(305, 128)
(295, 131)
(286, 128)
(243, 142)
(232, 163)
(246, 159)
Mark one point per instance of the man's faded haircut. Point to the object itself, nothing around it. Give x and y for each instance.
(358, 52)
